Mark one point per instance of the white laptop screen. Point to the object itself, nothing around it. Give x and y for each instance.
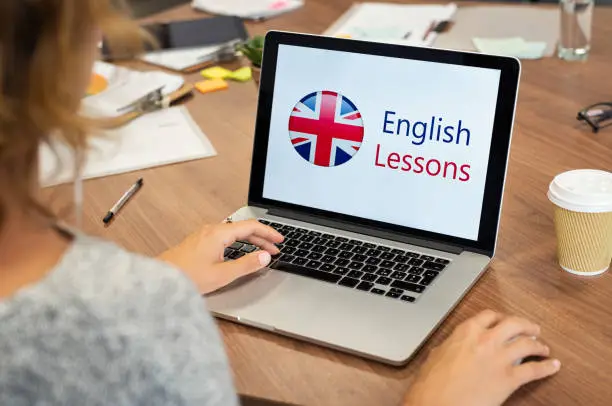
(399, 141)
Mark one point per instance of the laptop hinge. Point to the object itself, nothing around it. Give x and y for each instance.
(371, 231)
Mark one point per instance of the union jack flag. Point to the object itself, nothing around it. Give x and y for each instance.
(326, 128)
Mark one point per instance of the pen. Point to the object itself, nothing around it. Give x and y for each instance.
(429, 30)
(121, 202)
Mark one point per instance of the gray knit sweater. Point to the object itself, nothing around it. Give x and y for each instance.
(106, 327)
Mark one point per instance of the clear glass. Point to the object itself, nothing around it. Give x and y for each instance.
(575, 36)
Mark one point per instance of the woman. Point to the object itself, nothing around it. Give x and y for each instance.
(84, 322)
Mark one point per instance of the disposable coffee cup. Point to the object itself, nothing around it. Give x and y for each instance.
(583, 220)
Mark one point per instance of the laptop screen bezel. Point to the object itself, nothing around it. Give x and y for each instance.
(498, 155)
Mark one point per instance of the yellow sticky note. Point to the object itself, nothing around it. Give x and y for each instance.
(216, 72)
(241, 75)
(207, 86)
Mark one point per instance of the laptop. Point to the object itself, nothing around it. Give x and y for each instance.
(384, 167)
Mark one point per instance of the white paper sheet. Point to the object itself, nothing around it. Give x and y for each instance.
(160, 138)
(392, 23)
(180, 59)
(251, 9)
(125, 86)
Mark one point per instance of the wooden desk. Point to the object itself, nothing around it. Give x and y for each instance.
(524, 279)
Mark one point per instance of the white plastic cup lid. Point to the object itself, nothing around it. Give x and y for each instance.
(582, 190)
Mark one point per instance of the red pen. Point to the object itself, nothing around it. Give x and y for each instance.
(429, 30)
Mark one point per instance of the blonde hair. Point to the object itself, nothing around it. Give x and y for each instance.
(41, 48)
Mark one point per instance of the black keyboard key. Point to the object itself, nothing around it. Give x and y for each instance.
(319, 240)
(369, 245)
(383, 280)
(327, 268)
(318, 248)
(370, 277)
(328, 259)
(373, 261)
(416, 262)
(301, 253)
(434, 265)
(345, 254)
(387, 255)
(315, 255)
(355, 274)
(396, 290)
(288, 250)
(304, 271)
(430, 274)
(401, 267)
(383, 272)
(300, 261)
(340, 271)
(227, 252)
(307, 238)
(426, 281)
(350, 282)
(373, 252)
(332, 251)
(294, 234)
(262, 221)
(401, 259)
(398, 275)
(333, 244)
(370, 268)
(411, 254)
(427, 258)
(345, 246)
(407, 286)
(442, 261)
(365, 286)
(355, 242)
(355, 265)
(412, 278)
(415, 270)
(314, 264)
(275, 226)
(236, 245)
(377, 291)
(287, 258)
(397, 251)
(360, 249)
(315, 233)
(383, 248)
(359, 257)
(235, 255)
(248, 248)
(292, 243)
(342, 262)
(288, 228)
(407, 298)
(341, 239)
(393, 295)
(387, 264)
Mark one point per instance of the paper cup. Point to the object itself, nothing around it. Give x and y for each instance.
(583, 220)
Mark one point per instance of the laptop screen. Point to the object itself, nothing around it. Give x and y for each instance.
(394, 140)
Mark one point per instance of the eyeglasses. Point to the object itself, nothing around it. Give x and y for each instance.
(597, 116)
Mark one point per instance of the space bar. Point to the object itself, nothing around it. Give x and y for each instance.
(308, 272)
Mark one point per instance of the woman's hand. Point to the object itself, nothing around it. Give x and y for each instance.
(200, 255)
(477, 365)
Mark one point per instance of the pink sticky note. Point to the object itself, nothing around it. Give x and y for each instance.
(278, 5)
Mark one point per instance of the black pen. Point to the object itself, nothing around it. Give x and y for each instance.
(121, 202)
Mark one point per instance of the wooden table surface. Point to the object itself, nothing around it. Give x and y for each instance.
(524, 279)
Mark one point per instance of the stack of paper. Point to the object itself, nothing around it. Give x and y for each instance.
(160, 138)
(515, 46)
(249, 9)
(181, 59)
(392, 23)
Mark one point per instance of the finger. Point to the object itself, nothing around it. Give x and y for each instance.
(263, 244)
(487, 318)
(532, 371)
(241, 230)
(245, 265)
(524, 347)
(512, 327)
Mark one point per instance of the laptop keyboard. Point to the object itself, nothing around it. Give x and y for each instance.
(376, 269)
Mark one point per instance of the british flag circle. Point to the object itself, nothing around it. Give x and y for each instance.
(325, 128)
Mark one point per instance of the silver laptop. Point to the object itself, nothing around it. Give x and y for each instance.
(384, 167)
